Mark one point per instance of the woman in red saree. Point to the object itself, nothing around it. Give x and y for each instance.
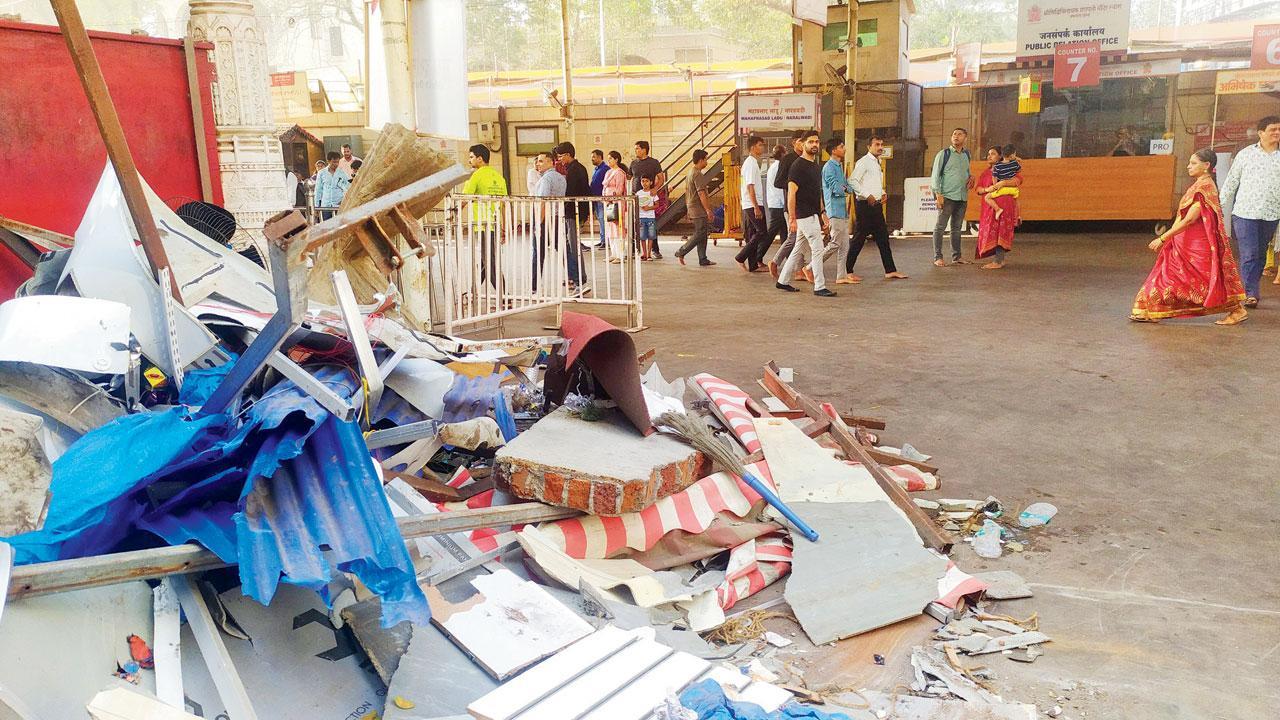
(995, 235)
(1195, 273)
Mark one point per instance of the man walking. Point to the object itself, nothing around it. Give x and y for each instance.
(601, 168)
(780, 182)
(576, 185)
(776, 200)
(347, 159)
(807, 218)
(835, 191)
(1252, 195)
(751, 194)
(331, 186)
(699, 210)
(485, 180)
(869, 196)
(950, 182)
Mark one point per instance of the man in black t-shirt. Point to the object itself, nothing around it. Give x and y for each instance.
(780, 182)
(806, 216)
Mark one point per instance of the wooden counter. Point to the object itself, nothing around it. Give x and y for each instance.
(1092, 188)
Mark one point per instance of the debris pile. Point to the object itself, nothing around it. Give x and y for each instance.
(242, 502)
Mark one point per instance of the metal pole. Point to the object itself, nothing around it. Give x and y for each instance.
(104, 112)
(851, 89)
(567, 111)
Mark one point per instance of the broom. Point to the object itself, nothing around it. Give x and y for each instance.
(695, 432)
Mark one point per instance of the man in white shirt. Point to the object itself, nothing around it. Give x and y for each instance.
(1251, 194)
(869, 196)
(776, 202)
(751, 193)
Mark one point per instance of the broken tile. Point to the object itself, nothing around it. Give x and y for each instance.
(1011, 642)
(1004, 585)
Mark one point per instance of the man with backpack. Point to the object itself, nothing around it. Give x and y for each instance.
(951, 182)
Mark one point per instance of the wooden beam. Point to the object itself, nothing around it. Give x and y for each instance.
(197, 119)
(346, 222)
(888, 458)
(854, 450)
(96, 571)
(773, 385)
(104, 112)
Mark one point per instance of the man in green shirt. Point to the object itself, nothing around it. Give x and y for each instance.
(951, 182)
(485, 216)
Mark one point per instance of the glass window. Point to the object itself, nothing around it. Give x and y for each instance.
(1119, 117)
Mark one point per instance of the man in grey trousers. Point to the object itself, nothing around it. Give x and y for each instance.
(951, 182)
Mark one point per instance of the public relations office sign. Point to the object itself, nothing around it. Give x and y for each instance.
(775, 113)
(1045, 24)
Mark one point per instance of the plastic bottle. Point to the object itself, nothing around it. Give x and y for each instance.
(987, 540)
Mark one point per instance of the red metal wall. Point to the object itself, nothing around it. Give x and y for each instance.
(53, 154)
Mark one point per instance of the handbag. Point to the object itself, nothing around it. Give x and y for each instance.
(611, 213)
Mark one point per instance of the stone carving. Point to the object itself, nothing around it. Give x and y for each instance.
(249, 155)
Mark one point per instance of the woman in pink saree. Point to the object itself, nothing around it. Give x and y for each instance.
(615, 185)
(995, 235)
(1195, 272)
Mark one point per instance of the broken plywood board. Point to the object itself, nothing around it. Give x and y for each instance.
(76, 637)
(867, 570)
(509, 624)
(804, 471)
(610, 675)
(327, 676)
(121, 704)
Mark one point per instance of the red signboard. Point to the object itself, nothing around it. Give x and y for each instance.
(1077, 64)
(282, 79)
(1266, 47)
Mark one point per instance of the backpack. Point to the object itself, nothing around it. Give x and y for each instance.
(946, 155)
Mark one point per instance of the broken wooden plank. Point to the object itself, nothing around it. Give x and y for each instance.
(166, 644)
(62, 575)
(225, 678)
(104, 112)
(888, 458)
(198, 118)
(858, 420)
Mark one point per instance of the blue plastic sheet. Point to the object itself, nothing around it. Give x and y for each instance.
(707, 699)
(273, 491)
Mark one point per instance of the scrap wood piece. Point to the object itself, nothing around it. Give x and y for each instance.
(225, 678)
(855, 451)
(45, 240)
(868, 570)
(508, 624)
(121, 704)
(114, 568)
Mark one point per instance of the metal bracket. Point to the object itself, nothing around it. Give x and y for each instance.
(359, 337)
(340, 407)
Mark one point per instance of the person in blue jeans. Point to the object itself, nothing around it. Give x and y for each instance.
(597, 187)
(648, 202)
(1252, 195)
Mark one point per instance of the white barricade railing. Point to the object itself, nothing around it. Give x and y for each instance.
(499, 256)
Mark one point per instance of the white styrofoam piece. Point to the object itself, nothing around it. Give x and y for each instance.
(65, 331)
(166, 648)
(121, 704)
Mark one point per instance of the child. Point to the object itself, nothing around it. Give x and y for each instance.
(1007, 169)
(648, 219)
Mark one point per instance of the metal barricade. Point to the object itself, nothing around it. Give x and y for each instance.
(500, 256)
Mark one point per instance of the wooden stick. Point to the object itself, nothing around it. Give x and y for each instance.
(80, 573)
(854, 450)
(104, 112)
(786, 394)
(197, 119)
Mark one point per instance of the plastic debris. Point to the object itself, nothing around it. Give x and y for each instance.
(141, 652)
(1037, 514)
(986, 543)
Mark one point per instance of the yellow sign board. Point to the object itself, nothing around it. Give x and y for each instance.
(1241, 82)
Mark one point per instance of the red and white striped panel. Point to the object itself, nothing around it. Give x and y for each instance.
(732, 403)
(955, 584)
(484, 538)
(753, 566)
(692, 510)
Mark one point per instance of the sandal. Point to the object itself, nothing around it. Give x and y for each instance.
(1251, 302)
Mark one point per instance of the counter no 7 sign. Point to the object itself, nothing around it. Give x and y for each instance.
(1077, 64)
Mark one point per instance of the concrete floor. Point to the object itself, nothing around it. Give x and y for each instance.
(1158, 580)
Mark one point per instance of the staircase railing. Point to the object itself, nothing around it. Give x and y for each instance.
(716, 132)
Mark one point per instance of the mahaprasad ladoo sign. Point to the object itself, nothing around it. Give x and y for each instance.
(793, 111)
(1045, 24)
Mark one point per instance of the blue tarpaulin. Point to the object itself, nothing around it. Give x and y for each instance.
(707, 699)
(283, 494)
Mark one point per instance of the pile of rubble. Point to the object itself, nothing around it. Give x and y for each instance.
(227, 500)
